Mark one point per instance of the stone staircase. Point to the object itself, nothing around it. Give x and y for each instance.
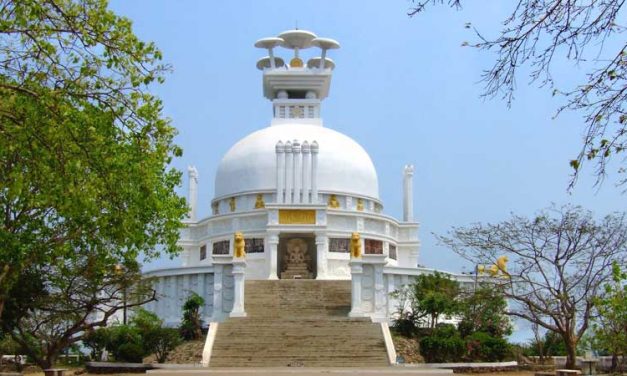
(296, 323)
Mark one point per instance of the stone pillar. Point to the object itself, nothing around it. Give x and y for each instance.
(239, 268)
(193, 192)
(272, 255)
(322, 247)
(314, 172)
(280, 172)
(298, 172)
(218, 308)
(380, 292)
(306, 195)
(408, 194)
(289, 172)
(357, 271)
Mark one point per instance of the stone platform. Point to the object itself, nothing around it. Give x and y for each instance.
(316, 371)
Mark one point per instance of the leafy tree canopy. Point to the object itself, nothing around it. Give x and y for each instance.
(84, 147)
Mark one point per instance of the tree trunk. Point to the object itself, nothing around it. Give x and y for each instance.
(571, 354)
(614, 365)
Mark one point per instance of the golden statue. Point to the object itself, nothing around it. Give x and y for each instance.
(259, 204)
(355, 245)
(494, 270)
(333, 202)
(239, 245)
(232, 204)
(216, 208)
(501, 264)
(360, 204)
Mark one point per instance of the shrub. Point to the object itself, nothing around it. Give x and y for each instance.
(481, 346)
(191, 325)
(443, 345)
(145, 321)
(405, 327)
(126, 344)
(161, 341)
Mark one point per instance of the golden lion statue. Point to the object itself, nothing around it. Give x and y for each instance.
(355, 245)
(501, 264)
(239, 245)
(494, 270)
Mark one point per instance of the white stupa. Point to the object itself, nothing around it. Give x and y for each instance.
(297, 191)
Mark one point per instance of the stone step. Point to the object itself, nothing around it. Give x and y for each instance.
(298, 323)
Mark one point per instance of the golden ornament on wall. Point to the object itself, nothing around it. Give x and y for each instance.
(259, 204)
(360, 204)
(297, 217)
(232, 204)
(333, 202)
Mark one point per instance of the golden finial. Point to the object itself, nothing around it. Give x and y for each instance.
(296, 62)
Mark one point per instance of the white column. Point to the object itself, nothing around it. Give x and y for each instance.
(357, 270)
(280, 171)
(239, 268)
(408, 198)
(192, 195)
(289, 172)
(321, 256)
(380, 299)
(272, 255)
(298, 172)
(218, 309)
(306, 172)
(314, 172)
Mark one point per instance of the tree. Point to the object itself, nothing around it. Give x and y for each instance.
(64, 304)
(191, 325)
(561, 259)
(610, 330)
(84, 148)
(429, 296)
(539, 33)
(483, 310)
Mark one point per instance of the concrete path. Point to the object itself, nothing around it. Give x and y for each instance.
(302, 371)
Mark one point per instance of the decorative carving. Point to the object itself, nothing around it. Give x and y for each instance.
(259, 204)
(297, 260)
(232, 204)
(355, 245)
(297, 217)
(333, 202)
(239, 245)
(360, 204)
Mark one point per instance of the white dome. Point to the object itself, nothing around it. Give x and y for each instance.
(344, 167)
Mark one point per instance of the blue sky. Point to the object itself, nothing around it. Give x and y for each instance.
(404, 88)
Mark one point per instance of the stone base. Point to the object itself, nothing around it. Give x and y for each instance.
(297, 271)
